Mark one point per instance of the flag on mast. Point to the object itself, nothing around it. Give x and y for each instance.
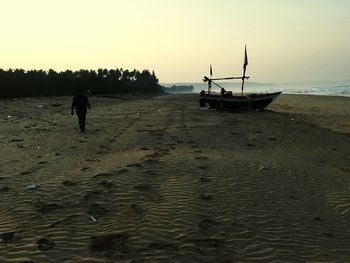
(245, 58)
(244, 67)
(211, 70)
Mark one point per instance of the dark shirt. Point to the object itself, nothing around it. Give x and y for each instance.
(80, 103)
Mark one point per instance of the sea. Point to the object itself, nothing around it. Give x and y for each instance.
(328, 88)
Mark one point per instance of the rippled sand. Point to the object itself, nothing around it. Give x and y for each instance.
(161, 180)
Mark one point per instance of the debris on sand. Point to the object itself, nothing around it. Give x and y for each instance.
(32, 187)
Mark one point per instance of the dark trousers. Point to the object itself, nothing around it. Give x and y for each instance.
(81, 118)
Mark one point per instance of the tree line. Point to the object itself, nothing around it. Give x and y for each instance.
(40, 83)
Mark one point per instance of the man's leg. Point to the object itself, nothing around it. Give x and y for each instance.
(81, 117)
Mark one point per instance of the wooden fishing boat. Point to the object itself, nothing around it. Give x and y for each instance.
(229, 101)
(226, 100)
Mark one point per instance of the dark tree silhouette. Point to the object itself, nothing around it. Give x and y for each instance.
(35, 83)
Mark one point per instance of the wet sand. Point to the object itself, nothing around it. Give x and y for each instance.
(161, 180)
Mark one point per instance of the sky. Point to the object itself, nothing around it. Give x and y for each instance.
(287, 40)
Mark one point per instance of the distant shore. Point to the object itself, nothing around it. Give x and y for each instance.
(157, 178)
(323, 88)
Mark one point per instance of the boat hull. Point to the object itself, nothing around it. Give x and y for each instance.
(249, 101)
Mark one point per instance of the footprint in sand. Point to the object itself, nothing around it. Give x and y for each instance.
(4, 189)
(115, 242)
(204, 180)
(102, 152)
(205, 224)
(172, 147)
(206, 197)
(143, 187)
(106, 184)
(160, 246)
(148, 172)
(236, 224)
(201, 158)
(45, 208)
(316, 218)
(96, 210)
(25, 173)
(144, 149)
(207, 243)
(8, 237)
(17, 140)
(123, 171)
(345, 169)
(91, 195)
(45, 244)
(69, 183)
(92, 160)
(152, 161)
(139, 210)
(328, 234)
(102, 175)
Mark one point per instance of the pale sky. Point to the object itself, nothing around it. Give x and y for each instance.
(287, 40)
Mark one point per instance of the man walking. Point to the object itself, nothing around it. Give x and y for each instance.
(80, 104)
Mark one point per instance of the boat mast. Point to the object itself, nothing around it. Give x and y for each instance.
(244, 68)
(209, 81)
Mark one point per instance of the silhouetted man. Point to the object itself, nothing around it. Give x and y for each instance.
(80, 104)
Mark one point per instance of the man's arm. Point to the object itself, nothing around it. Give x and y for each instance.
(88, 103)
(73, 106)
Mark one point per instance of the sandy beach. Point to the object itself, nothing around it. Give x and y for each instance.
(158, 179)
